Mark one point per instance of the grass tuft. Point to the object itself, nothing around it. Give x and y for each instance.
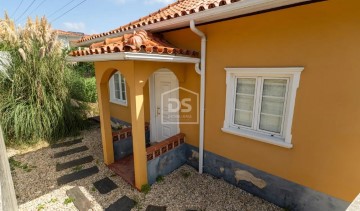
(185, 174)
(53, 200)
(160, 179)
(40, 207)
(69, 200)
(17, 164)
(78, 168)
(145, 188)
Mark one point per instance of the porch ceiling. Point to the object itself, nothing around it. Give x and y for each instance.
(140, 45)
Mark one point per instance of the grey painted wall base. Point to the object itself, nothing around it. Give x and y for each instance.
(166, 163)
(281, 192)
(123, 148)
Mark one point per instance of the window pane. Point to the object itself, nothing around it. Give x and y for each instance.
(244, 101)
(117, 86)
(275, 87)
(243, 118)
(117, 94)
(123, 90)
(246, 85)
(272, 105)
(122, 85)
(270, 123)
(124, 95)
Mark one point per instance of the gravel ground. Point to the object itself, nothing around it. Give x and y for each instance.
(182, 189)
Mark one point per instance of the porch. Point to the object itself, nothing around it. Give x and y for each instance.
(152, 78)
(155, 152)
(123, 164)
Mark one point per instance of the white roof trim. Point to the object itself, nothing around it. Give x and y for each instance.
(132, 56)
(222, 12)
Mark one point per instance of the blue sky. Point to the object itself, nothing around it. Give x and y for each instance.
(91, 17)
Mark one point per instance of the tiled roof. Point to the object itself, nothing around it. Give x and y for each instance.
(139, 41)
(68, 33)
(177, 9)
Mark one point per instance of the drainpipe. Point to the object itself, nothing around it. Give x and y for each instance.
(200, 69)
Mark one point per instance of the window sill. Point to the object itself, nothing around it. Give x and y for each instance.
(258, 137)
(119, 103)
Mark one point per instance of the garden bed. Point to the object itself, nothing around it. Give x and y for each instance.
(35, 179)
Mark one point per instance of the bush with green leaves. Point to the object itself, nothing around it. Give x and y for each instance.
(85, 69)
(34, 85)
(83, 88)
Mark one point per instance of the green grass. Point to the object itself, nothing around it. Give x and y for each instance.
(40, 207)
(160, 179)
(17, 164)
(78, 168)
(185, 174)
(53, 200)
(145, 188)
(69, 200)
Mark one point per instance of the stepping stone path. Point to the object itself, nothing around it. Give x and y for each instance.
(155, 208)
(71, 151)
(81, 202)
(77, 175)
(123, 204)
(74, 163)
(67, 144)
(105, 185)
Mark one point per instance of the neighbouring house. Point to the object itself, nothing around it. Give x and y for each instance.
(66, 37)
(261, 93)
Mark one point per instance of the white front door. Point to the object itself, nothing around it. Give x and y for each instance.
(164, 82)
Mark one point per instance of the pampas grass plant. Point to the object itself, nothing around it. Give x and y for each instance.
(34, 89)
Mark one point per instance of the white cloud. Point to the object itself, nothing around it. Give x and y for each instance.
(75, 26)
(159, 1)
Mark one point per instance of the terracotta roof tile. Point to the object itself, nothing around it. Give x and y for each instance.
(68, 33)
(174, 10)
(139, 41)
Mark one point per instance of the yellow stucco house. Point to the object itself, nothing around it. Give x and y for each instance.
(261, 93)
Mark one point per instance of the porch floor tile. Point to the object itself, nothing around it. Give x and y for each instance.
(125, 169)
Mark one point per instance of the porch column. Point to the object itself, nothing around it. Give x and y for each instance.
(106, 132)
(138, 134)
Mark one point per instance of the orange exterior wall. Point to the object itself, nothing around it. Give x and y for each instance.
(124, 112)
(323, 37)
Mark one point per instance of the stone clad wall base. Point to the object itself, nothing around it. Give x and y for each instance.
(281, 192)
(166, 163)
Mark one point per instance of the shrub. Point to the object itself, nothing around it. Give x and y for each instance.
(83, 89)
(90, 90)
(34, 88)
(85, 69)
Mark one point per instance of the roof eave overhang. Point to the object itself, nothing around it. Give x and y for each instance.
(218, 13)
(122, 56)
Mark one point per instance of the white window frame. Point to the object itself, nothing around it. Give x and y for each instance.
(113, 98)
(292, 74)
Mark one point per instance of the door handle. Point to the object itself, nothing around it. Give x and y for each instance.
(157, 111)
